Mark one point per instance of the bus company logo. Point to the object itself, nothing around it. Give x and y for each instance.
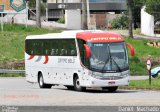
(105, 38)
(39, 59)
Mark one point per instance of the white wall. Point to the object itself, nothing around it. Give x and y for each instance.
(16, 17)
(73, 19)
(147, 23)
(51, 1)
(65, 1)
(72, 1)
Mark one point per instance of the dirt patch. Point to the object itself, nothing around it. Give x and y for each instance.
(14, 65)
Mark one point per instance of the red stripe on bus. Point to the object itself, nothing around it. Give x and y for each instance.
(31, 57)
(46, 60)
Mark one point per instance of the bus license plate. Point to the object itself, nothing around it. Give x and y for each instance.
(111, 82)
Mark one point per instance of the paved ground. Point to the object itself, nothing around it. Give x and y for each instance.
(17, 92)
(139, 77)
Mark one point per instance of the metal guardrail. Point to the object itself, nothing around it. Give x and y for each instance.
(11, 71)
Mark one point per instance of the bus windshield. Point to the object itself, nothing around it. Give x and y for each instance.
(108, 57)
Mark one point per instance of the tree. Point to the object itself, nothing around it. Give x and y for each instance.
(153, 8)
(39, 8)
(120, 21)
(136, 8)
(32, 3)
(38, 13)
(130, 17)
(84, 15)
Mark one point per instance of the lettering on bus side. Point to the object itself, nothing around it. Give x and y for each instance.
(66, 60)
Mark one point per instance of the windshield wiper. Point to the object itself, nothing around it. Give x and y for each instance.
(107, 60)
(119, 69)
(110, 58)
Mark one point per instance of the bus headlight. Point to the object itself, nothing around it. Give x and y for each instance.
(98, 75)
(95, 74)
(124, 75)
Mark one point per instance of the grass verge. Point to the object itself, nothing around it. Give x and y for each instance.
(12, 41)
(11, 75)
(142, 53)
(144, 84)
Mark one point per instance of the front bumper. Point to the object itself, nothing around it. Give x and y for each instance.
(93, 82)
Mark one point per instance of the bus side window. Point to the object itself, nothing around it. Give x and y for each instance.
(32, 52)
(73, 52)
(47, 52)
(56, 52)
(52, 52)
(63, 52)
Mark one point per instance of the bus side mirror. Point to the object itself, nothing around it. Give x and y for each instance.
(131, 48)
(88, 51)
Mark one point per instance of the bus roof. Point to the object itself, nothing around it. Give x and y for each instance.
(100, 37)
(51, 36)
(88, 36)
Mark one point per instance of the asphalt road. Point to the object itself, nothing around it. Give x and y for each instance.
(18, 92)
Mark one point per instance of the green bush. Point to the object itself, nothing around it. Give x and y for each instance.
(135, 59)
(137, 67)
(61, 20)
(120, 21)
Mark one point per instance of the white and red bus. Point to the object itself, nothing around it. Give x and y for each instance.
(78, 60)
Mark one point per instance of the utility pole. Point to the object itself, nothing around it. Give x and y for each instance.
(130, 15)
(2, 22)
(26, 13)
(38, 13)
(88, 14)
(84, 15)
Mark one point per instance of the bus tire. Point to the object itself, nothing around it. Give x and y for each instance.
(110, 89)
(77, 86)
(41, 82)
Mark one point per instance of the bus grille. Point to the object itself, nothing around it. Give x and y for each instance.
(112, 78)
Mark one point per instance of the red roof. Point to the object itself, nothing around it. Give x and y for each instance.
(100, 37)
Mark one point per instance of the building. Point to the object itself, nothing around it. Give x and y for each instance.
(56, 7)
(7, 5)
(99, 10)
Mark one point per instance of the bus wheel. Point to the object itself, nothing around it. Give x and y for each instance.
(110, 89)
(41, 82)
(77, 86)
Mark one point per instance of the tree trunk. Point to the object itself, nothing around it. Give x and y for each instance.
(38, 13)
(130, 2)
(84, 15)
